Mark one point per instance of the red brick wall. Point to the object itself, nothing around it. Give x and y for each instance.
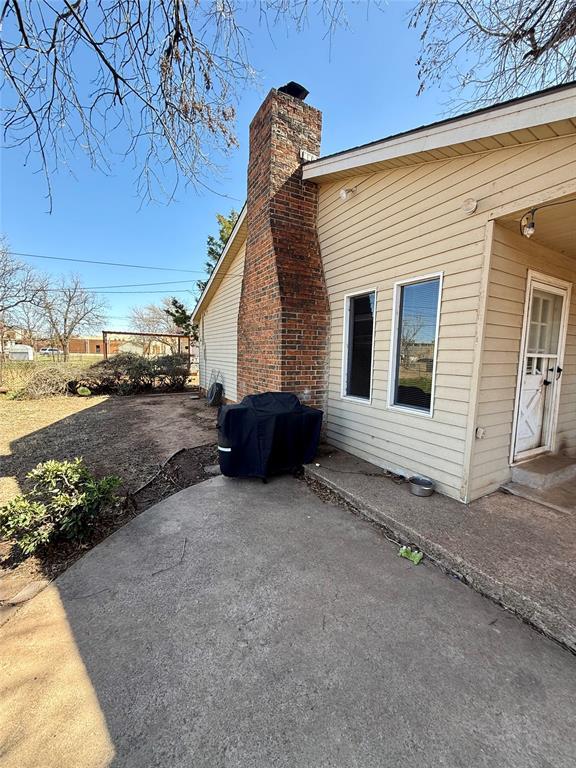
(86, 346)
(283, 320)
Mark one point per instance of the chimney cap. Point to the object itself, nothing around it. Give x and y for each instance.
(294, 89)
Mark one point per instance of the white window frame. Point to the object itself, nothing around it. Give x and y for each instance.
(394, 344)
(346, 345)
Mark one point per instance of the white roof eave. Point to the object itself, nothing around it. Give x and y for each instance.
(523, 114)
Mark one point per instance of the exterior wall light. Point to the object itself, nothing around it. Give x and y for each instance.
(528, 224)
(347, 192)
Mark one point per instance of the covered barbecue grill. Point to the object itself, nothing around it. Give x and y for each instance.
(266, 435)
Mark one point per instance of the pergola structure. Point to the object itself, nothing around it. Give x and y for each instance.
(158, 336)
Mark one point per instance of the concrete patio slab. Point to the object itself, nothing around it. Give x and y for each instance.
(242, 625)
(515, 551)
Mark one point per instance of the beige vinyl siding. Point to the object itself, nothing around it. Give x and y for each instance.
(404, 223)
(219, 331)
(512, 257)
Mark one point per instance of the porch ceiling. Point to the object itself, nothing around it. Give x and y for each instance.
(555, 225)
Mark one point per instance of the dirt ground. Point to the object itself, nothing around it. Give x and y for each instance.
(157, 444)
(126, 436)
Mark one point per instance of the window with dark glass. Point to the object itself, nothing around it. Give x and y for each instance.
(416, 344)
(360, 335)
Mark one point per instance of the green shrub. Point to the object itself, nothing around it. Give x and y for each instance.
(62, 502)
(128, 373)
(125, 374)
(171, 371)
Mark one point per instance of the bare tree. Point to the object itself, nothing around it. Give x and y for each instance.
(496, 49)
(19, 286)
(70, 309)
(167, 72)
(19, 283)
(30, 319)
(411, 328)
(154, 319)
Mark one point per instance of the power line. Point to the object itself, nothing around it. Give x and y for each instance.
(105, 263)
(137, 285)
(125, 285)
(146, 293)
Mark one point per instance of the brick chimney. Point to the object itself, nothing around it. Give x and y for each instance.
(283, 320)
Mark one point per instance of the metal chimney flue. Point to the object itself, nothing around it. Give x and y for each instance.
(294, 89)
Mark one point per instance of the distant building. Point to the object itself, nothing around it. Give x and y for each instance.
(14, 351)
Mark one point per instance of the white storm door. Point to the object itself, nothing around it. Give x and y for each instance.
(541, 368)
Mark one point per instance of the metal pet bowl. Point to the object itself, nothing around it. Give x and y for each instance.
(421, 486)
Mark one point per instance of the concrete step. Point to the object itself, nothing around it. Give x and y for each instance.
(545, 472)
(561, 498)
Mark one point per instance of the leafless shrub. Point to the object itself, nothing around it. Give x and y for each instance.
(47, 382)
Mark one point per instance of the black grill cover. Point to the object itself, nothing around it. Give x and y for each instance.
(267, 434)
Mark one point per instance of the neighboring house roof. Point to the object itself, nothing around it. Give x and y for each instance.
(233, 245)
(538, 116)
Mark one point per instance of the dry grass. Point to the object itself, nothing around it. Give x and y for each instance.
(21, 419)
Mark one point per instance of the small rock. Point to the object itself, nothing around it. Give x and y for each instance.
(212, 470)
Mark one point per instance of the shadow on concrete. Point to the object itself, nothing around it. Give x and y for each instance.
(242, 624)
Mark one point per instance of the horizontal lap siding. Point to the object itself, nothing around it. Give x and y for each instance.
(219, 343)
(404, 223)
(512, 257)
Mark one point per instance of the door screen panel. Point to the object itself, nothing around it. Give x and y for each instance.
(545, 317)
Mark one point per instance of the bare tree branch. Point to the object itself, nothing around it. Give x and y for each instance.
(496, 49)
(161, 81)
(153, 318)
(19, 283)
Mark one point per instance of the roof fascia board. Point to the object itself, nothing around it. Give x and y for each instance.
(219, 263)
(547, 108)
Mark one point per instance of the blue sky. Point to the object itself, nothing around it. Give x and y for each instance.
(365, 84)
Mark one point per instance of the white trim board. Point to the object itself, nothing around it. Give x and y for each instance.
(550, 107)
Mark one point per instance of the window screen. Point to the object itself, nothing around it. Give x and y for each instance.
(360, 334)
(416, 344)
